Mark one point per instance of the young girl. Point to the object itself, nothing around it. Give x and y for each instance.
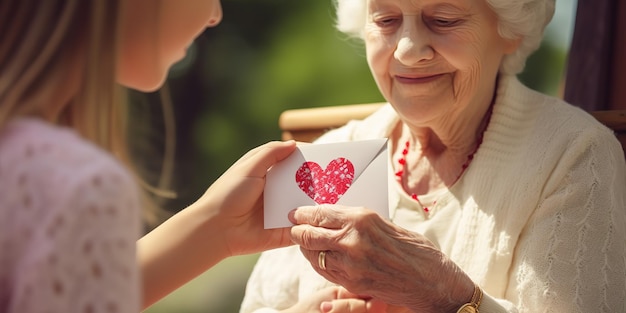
(69, 205)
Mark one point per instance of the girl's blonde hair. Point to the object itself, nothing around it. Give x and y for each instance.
(45, 43)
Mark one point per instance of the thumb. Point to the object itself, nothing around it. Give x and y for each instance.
(258, 160)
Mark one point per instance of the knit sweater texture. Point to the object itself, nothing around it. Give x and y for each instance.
(69, 221)
(538, 220)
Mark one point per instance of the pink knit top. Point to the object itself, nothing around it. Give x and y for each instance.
(69, 220)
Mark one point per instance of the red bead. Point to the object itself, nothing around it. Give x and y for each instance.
(400, 173)
(402, 161)
(426, 210)
(414, 196)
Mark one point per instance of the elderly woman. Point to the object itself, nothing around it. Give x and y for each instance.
(502, 199)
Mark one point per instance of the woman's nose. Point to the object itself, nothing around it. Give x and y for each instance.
(413, 45)
(216, 14)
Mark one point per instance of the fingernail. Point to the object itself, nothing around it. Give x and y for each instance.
(326, 306)
(292, 216)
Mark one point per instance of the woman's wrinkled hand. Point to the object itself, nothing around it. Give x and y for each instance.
(369, 255)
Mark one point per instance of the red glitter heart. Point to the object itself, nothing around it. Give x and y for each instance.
(325, 186)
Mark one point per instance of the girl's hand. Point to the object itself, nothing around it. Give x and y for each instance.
(235, 201)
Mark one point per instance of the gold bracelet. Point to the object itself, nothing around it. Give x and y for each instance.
(472, 306)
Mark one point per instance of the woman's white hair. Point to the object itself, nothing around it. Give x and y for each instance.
(525, 19)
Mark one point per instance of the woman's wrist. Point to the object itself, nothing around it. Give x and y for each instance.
(474, 303)
(461, 293)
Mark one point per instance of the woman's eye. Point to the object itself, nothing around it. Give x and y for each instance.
(386, 22)
(439, 22)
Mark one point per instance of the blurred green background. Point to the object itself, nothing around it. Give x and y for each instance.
(265, 57)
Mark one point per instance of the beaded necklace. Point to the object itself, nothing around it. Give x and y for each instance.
(402, 162)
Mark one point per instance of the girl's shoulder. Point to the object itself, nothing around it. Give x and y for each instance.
(52, 161)
(34, 141)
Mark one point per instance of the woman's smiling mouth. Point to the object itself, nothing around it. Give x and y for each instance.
(417, 79)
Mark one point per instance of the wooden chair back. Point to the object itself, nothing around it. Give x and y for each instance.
(309, 123)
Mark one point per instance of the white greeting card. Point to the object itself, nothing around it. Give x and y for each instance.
(348, 173)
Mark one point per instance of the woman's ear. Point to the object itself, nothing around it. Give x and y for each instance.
(511, 45)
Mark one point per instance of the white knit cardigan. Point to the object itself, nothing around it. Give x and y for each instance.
(538, 220)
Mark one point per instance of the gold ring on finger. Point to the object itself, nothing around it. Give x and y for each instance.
(321, 260)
